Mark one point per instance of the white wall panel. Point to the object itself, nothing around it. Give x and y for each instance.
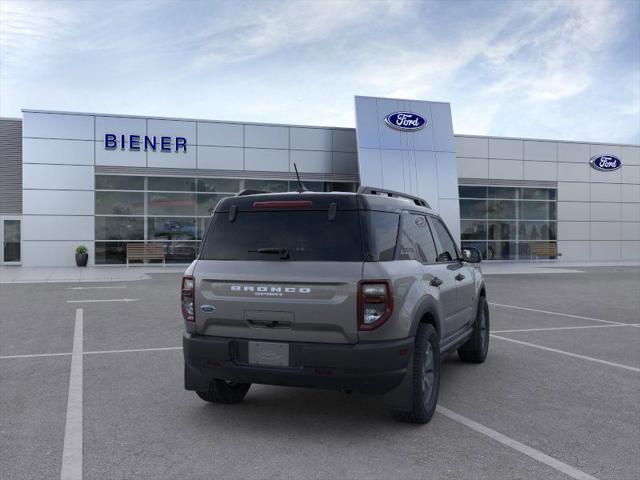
(631, 212)
(573, 230)
(53, 253)
(574, 172)
(447, 175)
(606, 211)
(506, 149)
(449, 210)
(266, 159)
(220, 134)
(605, 192)
(605, 230)
(573, 152)
(573, 191)
(345, 163)
(605, 250)
(631, 231)
(630, 193)
(630, 155)
(70, 152)
(52, 125)
(310, 138)
(630, 174)
(57, 202)
(546, 151)
(427, 179)
(442, 127)
(605, 177)
(120, 157)
(367, 123)
(573, 211)
(50, 227)
(54, 177)
(220, 158)
(540, 171)
(596, 149)
(630, 250)
(473, 167)
(390, 138)
(261, 136)
(371, 167)
(120, 126)
(506, 169)
(311, 161)
(392, 174)
(344, 141)
(574, 251)
(424, 139)
(472, 147)
(173, 128)
(173, 159)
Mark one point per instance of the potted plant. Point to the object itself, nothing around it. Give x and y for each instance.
(82, 256)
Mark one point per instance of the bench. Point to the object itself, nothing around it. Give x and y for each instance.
(545, 249)
(142, 252)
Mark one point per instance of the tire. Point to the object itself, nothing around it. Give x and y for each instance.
(221, 391)
(426, 377)
(477, 347)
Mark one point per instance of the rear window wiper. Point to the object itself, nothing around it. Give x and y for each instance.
(283, 252)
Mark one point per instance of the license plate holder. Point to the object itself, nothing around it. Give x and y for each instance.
(269, 353)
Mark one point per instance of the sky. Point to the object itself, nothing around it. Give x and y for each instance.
(541, 69)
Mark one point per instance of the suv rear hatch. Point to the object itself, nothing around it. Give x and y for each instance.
(281, 267)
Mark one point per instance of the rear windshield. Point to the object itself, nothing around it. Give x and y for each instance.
(284, 236)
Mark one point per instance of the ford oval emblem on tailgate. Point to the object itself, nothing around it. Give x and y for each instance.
(207, 308)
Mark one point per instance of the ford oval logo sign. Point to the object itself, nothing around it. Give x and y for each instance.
(405, 121)
(605, 163)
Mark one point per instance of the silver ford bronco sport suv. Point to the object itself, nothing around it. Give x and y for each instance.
(357, 292)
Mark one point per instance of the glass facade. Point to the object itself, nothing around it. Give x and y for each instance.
(504, 222)
(170, 211)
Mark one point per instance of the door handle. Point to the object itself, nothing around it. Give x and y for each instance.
(459, 277)
(436, 282)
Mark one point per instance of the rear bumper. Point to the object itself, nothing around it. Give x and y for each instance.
(375, 367)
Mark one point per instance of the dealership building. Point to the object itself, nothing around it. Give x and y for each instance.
(110, 181)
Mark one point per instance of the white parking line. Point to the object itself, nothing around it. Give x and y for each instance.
(94, 288)
(72, 449)
(105, 300)
(94, 352)
(34, 355)
(548, 329)
(556, 313)
(158, 349)
(515, 445)
(569, 354)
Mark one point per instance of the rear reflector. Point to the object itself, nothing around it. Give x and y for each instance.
(283, 204)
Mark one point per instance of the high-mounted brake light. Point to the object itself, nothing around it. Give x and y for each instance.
(187, 298)
(375, 303)
(283, 204)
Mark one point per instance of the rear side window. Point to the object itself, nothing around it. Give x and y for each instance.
(381, 232)
(305, 235)
(416, 242)
(447, 250)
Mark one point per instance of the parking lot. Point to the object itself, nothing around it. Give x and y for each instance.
(92, 387)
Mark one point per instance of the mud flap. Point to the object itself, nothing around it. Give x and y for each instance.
(401, 397)
(193, 380)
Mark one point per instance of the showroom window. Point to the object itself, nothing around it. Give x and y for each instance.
(504, 222)
(170, 211)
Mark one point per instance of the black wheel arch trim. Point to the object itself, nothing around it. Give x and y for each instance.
(427, 306)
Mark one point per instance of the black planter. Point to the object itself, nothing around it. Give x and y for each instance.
(82, 259)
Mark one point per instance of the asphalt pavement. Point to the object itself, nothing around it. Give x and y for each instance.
(556, 398)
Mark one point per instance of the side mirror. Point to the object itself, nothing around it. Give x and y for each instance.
(471, 255)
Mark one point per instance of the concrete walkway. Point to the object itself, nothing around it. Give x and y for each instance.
(16, 274)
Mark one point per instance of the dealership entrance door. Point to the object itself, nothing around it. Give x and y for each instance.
(10, 234)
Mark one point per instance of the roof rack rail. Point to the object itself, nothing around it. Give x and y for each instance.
(250, 192)
(393, 194)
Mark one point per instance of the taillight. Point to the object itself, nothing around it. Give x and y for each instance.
(375, 303)
(187, 298)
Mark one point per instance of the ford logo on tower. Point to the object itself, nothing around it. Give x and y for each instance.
(605, 163)
(405, 121)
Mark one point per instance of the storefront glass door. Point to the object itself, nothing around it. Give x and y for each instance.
(11, 235)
